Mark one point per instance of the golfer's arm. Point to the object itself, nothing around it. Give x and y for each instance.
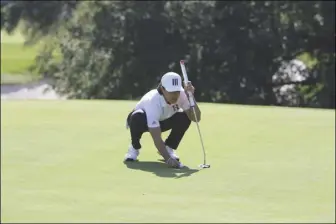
(160, 145)
(190, 113)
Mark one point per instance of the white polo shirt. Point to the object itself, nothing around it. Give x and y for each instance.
(157, 109)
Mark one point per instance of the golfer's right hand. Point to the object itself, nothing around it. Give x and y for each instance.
(173, 163)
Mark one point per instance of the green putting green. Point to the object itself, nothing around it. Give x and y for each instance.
(62, 161)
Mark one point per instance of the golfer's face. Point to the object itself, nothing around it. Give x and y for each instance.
(172, 97)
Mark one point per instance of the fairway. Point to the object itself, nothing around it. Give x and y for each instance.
(62, 161)
(16, 58)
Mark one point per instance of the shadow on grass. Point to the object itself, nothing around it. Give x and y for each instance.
(160, 169)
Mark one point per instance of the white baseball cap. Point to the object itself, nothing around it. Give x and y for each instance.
(172, 82)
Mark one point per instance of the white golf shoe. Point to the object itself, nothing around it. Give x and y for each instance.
(172, 153)
(132, 154)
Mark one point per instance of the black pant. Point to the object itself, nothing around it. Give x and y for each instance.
(178, 123)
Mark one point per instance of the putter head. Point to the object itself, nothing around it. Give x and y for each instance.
(204, 166)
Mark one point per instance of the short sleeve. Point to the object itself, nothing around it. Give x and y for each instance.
(184, 102)
(153, 114)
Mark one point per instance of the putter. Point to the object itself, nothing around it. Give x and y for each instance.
(192, 104)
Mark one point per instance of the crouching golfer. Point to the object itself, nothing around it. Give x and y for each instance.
(159, 110)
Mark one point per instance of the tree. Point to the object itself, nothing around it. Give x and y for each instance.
(119, 50)
(39, 18)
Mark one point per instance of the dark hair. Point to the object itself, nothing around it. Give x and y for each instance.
(159, 88)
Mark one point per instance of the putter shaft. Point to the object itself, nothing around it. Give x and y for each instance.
(200, 135)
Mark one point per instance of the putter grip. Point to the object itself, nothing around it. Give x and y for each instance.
(186, 80)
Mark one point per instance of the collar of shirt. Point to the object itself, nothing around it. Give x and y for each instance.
(163, 102)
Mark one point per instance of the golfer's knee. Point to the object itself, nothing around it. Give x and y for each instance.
(183, 120)
(138, 120)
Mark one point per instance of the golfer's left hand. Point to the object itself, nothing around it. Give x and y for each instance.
(189, 88)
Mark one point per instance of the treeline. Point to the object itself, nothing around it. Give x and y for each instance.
(234, 49)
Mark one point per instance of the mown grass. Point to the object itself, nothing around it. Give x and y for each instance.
(16, 59)
(61, 161)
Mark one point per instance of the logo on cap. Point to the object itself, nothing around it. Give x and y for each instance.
(175, 82)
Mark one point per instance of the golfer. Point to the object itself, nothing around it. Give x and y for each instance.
(159, 110)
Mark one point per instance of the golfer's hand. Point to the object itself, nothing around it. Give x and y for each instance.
(189, 88)
(173, 163)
